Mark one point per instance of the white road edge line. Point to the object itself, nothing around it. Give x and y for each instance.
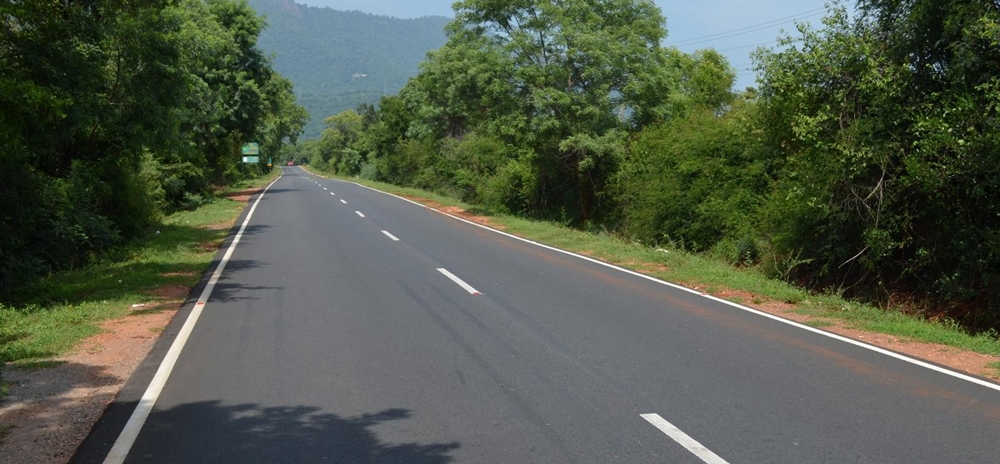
(684, 439)
(458, 281)
(359, 213)
(387, 234)
(128, 435)
(891, 354)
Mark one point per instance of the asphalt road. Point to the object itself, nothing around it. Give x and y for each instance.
(328, 340)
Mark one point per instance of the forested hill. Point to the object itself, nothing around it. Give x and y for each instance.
(339, 59)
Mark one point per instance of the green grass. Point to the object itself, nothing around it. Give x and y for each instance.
(819, 323)
(713, 275)
(5, 429)
(36, 365)
(52, 315)
(4, 391)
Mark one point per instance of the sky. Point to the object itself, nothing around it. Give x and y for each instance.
(733, 27)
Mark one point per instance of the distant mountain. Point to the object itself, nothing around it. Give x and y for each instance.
(339, 59)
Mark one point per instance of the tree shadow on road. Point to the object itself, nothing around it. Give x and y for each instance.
(210, 432)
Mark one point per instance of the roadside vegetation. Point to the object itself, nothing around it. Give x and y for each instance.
(120, 134)
(116, 113)
(861, 172)
(858, 181)
(50, 316)
(715, 276)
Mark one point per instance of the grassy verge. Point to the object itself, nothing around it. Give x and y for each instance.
(59, 311)
(717, 277)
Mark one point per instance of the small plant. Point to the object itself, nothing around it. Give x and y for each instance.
(818, 323)
(5, 429)
(368, 171)
(781, 267)
(4, 391)
(747, 251)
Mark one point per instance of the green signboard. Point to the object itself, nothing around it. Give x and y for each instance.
(251, 159)
(251, 148)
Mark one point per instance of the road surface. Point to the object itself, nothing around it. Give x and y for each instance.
(352, 326)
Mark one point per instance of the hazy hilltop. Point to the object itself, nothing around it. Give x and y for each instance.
(339, 59)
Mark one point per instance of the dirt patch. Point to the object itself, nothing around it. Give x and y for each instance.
(180, 274)
(955, 358)
(242, 195)
(219, 226)
(456, 211)
(651, 268)
(164, 297)
(635, 265)
(208, 247)
(170, 293)
(961, 360)
(50, 411)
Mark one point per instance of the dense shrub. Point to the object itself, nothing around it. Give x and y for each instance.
(695, 181)
(114, 112)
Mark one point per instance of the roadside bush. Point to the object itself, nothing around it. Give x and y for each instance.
(137, 197)
(473, 161)
(404, 165)
(696, 181)
(511, 190)
(350, 162)
(180, 181)
(368, 171)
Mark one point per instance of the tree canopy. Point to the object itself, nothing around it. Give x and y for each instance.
(117, 111)
(865, 163)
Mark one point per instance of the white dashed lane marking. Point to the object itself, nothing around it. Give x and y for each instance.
(683, 439)
(458, 281)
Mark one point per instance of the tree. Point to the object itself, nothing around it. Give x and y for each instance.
(113, 108)
(338, 142)
(284, 120)
(887, 124)
(85, 89)
(558, 77)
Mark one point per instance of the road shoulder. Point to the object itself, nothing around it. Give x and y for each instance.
(53, 405)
